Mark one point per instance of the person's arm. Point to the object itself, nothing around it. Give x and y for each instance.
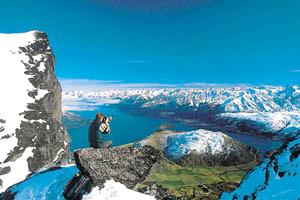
(104, 128)
(107, 129)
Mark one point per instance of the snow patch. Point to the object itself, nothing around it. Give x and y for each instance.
(58, 154)
(41, 94)
(115, 191)
(200, 141)
(19, 169)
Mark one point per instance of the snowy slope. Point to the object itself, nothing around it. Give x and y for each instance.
(200, 147)
(201, 141)
(115, 191)
(279, 123)
(14, 101)
(276, 177)
(24, 59)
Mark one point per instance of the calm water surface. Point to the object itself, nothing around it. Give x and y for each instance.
(125, 127)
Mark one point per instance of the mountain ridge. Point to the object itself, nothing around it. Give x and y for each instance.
(230, 99)
(32, 136)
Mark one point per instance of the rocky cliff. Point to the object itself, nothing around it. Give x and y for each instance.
(31, 133)
(126, 165)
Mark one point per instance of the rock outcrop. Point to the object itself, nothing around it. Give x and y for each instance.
(126, 165)
(31, 134)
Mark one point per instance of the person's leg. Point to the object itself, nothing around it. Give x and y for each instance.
(108, 144)
(97, 145)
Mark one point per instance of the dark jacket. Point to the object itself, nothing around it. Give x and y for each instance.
(96, 138)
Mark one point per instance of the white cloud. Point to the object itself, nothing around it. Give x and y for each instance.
(205, 85)
(86, 84)
(295, 70)
(137, 61)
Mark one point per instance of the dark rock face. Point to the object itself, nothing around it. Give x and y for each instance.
(126, 165)
(50, 137)
(41, 128)
(4, 170)
(1, 123)
(72, 120)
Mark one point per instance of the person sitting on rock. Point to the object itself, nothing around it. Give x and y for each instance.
(98, 132)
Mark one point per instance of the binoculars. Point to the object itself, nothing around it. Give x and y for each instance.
(107, 119)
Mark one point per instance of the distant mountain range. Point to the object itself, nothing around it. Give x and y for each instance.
(220, 100)
(267, 110)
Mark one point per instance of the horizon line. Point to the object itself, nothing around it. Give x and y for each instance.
(92, 85)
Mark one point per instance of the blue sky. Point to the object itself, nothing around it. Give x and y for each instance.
(166, 42)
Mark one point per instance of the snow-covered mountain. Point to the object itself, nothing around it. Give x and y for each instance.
(220, 100)
(200, 147)
(31, 135)
(280, 124)
(276, 177)
(268, 110)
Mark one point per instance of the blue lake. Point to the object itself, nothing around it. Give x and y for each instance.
(262, 144)
(125, 127)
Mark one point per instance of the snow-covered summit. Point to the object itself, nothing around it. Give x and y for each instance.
(29, 106)
(199, 147)
(200, 141)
